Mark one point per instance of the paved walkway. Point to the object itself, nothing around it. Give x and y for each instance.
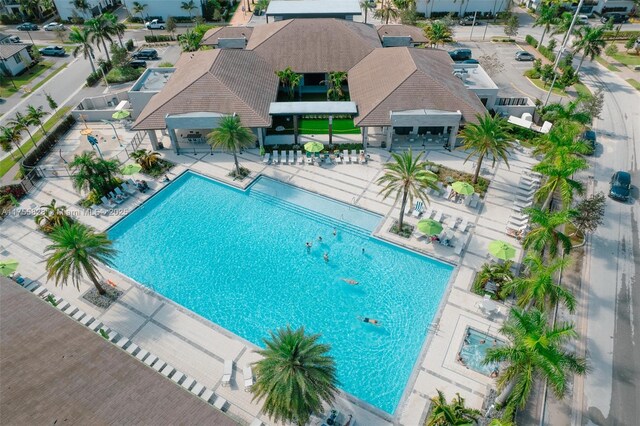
(198, 347)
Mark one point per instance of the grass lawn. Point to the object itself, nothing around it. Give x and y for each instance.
(123, 75)
(7, 89)
(43, 81)
(9, 162)
(606, 64)
(634, 83)
(582, 89)
(540, 84)
(627, 59)
(306, 126)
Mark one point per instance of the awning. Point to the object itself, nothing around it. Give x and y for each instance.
(329, 108)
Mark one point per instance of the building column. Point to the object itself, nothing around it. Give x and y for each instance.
(153, 139)
(261, 138)
(365, 138)
(174, 140)
(295, 129)
(452, 137)
(389, 137)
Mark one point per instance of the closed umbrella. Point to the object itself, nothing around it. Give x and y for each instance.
(463, 188)
(313, 147)
(120, 115)
(131, 169)
(502, 250)
(429, 227)
(7, 267)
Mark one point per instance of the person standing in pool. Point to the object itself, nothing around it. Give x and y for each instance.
(335, 232)
(325, 256)
(308, 244)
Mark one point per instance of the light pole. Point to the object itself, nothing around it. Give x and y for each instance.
(473, 24)
(114, 130)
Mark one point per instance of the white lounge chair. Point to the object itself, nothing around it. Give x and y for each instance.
(347, 159)
(448, 192)
(248, 377)
(292, 160)
(227, 372)
(463, 225)
(438, 216)
(354, 157)
(418, 209)
(266, 158)
(427, 213)
(275, 158)
(220, 402)
(300, 157)
(309, 158)
(338, 159)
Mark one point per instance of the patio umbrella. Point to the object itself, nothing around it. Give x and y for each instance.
(86, 131)
(313, 147)
(130, 169)
(429, 227)
(7, 267)
(502, 250)
(122, 114)
(463, 188)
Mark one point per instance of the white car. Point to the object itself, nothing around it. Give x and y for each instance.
(154, 25)
(583, 19)
(52, 26)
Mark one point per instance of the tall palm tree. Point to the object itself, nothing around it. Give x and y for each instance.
(31, 8)
(559, 177)
(146, 159)
(92, 173)
(450, 414)
(232, 137)
(139, 8)
(52, 216)
(188, 6)
(539, 287)
(76, 251)
(386, 12)
(21, 122)
(547, 17)
(8, 136)
(289, 79)
(367, 5)
(295, 377)
(561, 141)
(35, 116)
(562, 25)
(82, 39)
(572, 112)
(545, 233)
(407, 179)
(101, 30)
(118, 28)
(535, 350)
(487, 137)
(438, 32)
(590, 41)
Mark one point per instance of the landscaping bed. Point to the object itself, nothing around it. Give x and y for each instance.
(123, 75)
(159, 168)
(406, 232)
(448, 176)
(6, 87)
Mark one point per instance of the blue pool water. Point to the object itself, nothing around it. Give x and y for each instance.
(239, 259)
(475, 347)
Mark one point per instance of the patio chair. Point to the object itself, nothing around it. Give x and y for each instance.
(346, 158)
(438, 216)
(220, 402)
(113, 197)
(275, 158)
(107, 203)
(463, 225)
(292, 160)
(300, 157)
(309, 158)
(119, 192)
(266, 158)
(248, 377)
(338, 158)
(227, 372)
(126, 188)
(354, 157)
(419, 208)
(448, 192)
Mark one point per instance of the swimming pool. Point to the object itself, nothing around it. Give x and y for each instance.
(238, 258)
(474, 349)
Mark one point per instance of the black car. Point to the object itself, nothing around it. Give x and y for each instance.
(138, 63)
(468, 20)
(620, 186)
(616, 18)
(589, 138)
(459, 55)
(145, 54)
(27, 26)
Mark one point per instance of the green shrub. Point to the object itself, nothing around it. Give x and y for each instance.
(547, 53)
(9, 19)
(165, 65)
(135, 20)
(620, 35)
(162, 38)
(531, 41)
(129, 45)
(183, 19)
(532, 73)
(123, 74)
(94, 77)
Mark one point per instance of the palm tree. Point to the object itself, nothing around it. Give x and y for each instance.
(455, 413)
(367, 5)
(406, 178)
(487, 137)
(52, 217)
(438, 32)
(386, 12)
(539, 287)
(295, 377)
(290, 80)
(93, 174)
(545, 233)
(188, 6)
(145, 158)
(82, 39)
(21, 122)
(76, 250)
(101, 30)
(547, 17)
(561, 141)
(335, 80)
(571, 112)
(30, 8)
(139, 8)
(118, 28)
(232, 137)
(535, 350)
(81, 5)
(559, 175)
(189, 41)
(590, 41)
(10, 135)
(562, 25)
(498, 273)
(35, 116)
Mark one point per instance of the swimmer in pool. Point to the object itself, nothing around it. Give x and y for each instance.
(370, 321)
(350, 281)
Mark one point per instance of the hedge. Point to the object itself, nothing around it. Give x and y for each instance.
(129, 45)
(94, 77)
(45, 145)
(9, 19)
(159, 38)
(547, 53)
(123, 75)
(183, 19)
(620, 35)
(531, 41)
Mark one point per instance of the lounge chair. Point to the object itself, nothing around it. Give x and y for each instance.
(226, 374)
(438, 216)
(300, 157)
(248, 377)
(345, 153)
(309, 158)
(292, 160)
(473, 202)
(456, 221)
(266, 158)
(440, 188)
(275, 158)
(419, 208)
(463, 225)
(114, 198)
(126, 188)
(316, 158)
(427, 214)
(523, 204)
(220, 402)
(119, 192)
(354, 157)
(338, 158)
(107, 203)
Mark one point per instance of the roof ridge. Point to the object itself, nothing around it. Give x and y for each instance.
(287, 22)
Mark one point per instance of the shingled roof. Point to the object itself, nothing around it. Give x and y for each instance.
(399, 30)
(223, 81)
(314, 45)
(211, 37)
(403, 78)
(8, 50)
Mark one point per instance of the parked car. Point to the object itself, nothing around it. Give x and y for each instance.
(53, 26)
(583, 20)
(616, 18)
(589, 138)
(27, 26)
(459, 55)
(138, 63)
(620, 186)
(154, 25)
(145, 54)
(470, 61)
(14, 39)
(52, 51)
(468, 20)
(524, 56)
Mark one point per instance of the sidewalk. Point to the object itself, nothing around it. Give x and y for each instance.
(241, 18)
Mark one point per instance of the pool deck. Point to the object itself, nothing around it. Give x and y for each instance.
(198, 348)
